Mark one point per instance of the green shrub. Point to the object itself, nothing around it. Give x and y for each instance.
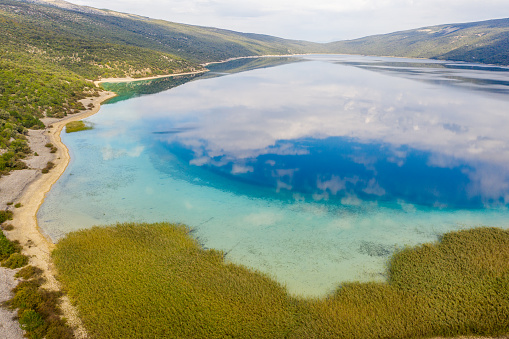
(26, 296)
(28, 272)
(59, 330)
(15, 260)
(38, 309)
(48, 167)
(5, 215)
(30, 320)
(7, 247)
(7, 227)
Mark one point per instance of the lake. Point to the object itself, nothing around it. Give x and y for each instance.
(313, 169)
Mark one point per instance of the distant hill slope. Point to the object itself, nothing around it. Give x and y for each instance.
(484, 42)
(195, 43)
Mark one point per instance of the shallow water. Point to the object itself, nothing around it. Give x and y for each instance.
(313, 169)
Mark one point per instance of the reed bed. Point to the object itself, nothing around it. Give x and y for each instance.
(155, 281)
(76, 126)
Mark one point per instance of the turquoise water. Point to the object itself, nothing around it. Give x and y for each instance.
(312, 169)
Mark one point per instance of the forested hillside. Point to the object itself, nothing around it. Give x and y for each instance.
(195, 43)
(484, 42)
(49, 52)
(43, 72)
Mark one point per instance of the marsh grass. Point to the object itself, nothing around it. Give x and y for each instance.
(76, 126)
(154, 280)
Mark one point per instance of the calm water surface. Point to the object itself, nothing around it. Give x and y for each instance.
(312, 169)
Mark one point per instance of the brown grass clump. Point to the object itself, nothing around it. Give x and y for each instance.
(153, 280)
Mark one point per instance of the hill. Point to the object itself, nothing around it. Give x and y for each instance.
(483, 42)
(195, 43)
(50, 48)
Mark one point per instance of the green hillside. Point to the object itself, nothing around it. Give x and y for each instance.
(50, 50)
(484, 42)
(199, 44)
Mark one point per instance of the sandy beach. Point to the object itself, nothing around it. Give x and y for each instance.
(29, 187)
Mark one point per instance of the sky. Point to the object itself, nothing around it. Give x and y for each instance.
(313, 20)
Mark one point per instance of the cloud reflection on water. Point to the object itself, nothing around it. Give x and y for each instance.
(384, 125)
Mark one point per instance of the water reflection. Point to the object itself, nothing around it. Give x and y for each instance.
(348, 133)
(129, 90)
(313, 172)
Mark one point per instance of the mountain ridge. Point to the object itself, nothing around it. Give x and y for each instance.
(481, 41)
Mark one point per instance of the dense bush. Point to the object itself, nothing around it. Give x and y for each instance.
(38, 310)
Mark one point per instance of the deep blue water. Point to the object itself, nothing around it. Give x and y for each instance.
(312, 169)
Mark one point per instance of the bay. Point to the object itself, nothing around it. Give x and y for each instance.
(312, 169)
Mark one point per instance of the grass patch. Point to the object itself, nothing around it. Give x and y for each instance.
(76, 126)
(28, 272)
(154, 280)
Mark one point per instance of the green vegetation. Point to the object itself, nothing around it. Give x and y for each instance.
(484, 42)
(15, 260)
(28, 272)
(49, 166)
(38, 311)
(44, 67)
(140, 281)
(52, 148)
(7, 247)
(10, 255)
(48, 53)
(76, 126)
(5, 215)
(154, 280)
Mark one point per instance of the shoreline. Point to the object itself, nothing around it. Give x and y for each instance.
(36, 245)
(29, 187)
